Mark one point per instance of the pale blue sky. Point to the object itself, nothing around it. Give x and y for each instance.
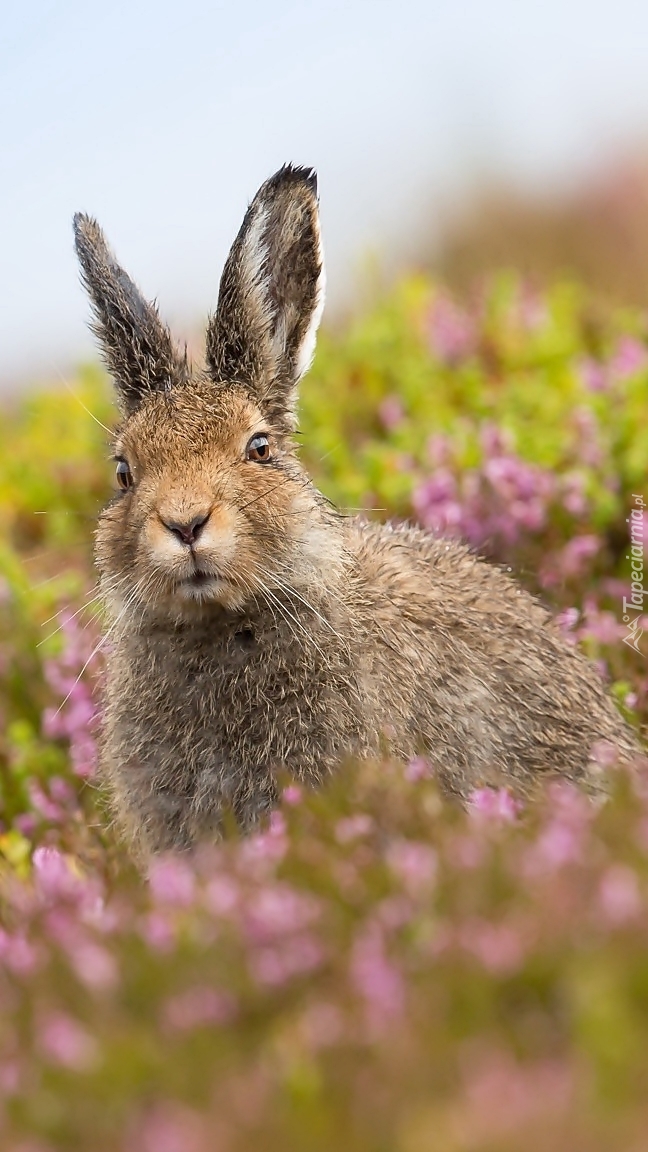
(161, 118)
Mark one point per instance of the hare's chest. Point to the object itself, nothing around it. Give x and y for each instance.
(242, 698)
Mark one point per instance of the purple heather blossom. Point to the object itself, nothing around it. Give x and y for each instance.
(414, 863)
(376, 979)
(593, 374)
(64, 1041)
(417, 769)
(499, 947)
(273, 966)
(619, 895)
(391, 412)
(629, 358)
(276, 911)
(172, 881)
(199, 1007)
(577, 553)
(353, 827)
(494, 804)
(292, 795)
(452, 332)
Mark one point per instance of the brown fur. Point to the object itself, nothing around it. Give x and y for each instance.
(308, 637)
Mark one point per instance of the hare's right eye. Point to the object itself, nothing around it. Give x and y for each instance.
(124, 475)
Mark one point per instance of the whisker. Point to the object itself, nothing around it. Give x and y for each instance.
(91, 657)
(80, 402)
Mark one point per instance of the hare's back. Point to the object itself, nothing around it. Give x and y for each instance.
(473, 663)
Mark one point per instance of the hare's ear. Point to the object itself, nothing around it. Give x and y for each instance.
(137, 347)
(271, 294)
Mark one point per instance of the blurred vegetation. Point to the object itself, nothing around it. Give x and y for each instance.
(376, 970)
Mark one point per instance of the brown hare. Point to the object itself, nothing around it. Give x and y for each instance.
(253, 630)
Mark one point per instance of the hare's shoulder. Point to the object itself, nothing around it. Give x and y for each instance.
(420, 573)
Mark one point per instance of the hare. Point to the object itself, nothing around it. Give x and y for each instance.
(253, 630)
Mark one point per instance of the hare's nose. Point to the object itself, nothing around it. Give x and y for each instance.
(188, 533)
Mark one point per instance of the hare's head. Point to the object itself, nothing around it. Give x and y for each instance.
(214, 506)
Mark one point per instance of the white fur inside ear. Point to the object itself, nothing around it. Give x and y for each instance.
(307, 346)
(254, 259)
(256, 277)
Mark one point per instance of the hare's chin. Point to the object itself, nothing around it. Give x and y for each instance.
(203, 588)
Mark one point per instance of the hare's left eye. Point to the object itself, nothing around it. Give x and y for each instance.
(124, 475)
(258, 449)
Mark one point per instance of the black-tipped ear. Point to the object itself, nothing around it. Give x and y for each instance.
(271, 294)
(137, 347)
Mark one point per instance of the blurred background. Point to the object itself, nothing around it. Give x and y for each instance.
(453, 136)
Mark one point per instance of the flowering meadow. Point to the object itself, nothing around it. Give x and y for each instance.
(376, 969)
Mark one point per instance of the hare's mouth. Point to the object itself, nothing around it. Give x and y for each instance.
(201, 585)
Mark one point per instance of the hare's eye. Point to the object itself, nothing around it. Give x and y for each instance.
(258, 449)
(124, 475)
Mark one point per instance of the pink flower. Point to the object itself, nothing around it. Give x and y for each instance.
(592, 374)
(172, 1128)
(292, 795)
(64, 1041)
(172, 881)
(577, 553)
(417, 769)
(274, 912)
(353, 827)
(494, 804)
(452, 332)
(413, 863)
(619, 895)
(568, 619)
(376, 978)
(94, 965)
(199, 1007)
(629, 358)
(498, 947)
(272, 967)
(391, 412)
(55, 877)
(222, 895)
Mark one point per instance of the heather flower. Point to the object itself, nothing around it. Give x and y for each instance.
(577, 553)
(18, 954)
(417, 769)
(413, 863)
(494, 804)
(199, 1007)
(499, 947)
(275, 966)
(55, 875)
(568, 619)
(629, 358)
(451, 330)
(275, 912)
(95, 966)
(172, 1128)
(619, 895)
(592, 374)
(376, 979)
(353, 827)
(172, 881)
(64, 1041)
(391, 412)
(222, 895)
(292, 795)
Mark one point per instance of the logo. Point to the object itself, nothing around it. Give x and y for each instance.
(633, 606)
